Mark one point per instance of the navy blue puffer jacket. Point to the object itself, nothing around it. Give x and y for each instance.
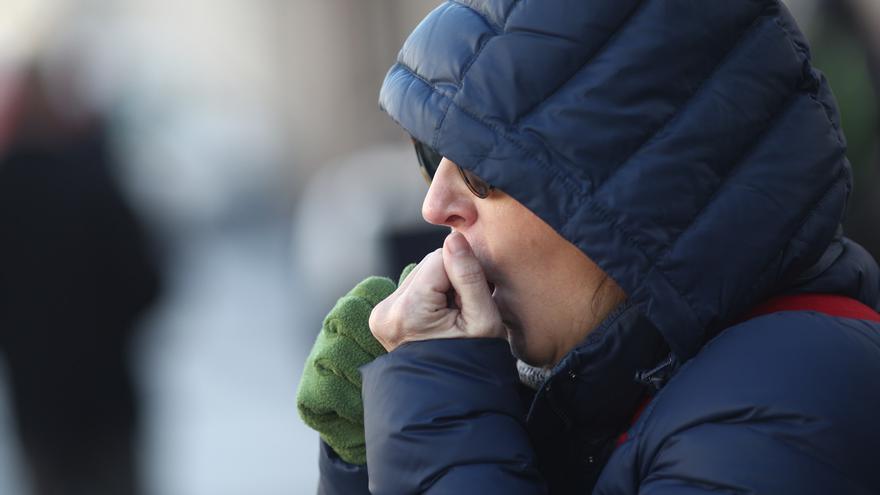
(692, 151)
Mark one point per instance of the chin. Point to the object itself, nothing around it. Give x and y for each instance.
(523, 348)
(524, 352)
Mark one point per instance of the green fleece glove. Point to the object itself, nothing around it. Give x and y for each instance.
(329, 394)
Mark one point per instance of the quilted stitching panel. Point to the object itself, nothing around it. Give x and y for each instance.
(649, 124)
(689, 156)
(443, 44)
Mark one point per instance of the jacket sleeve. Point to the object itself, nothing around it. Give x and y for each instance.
(339, 477)
(444, 416)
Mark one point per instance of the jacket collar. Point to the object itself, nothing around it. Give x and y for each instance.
(588, 400)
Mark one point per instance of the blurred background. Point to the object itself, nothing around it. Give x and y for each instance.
(185, 189)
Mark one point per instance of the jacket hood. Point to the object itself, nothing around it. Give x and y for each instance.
(688, 148)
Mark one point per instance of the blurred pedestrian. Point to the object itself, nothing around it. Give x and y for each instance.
(75, 275)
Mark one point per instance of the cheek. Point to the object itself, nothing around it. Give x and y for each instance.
(514, 262)
(529, 337)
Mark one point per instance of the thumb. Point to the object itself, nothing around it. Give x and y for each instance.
(467, 278)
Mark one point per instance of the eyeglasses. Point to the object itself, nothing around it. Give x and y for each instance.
(429, 160)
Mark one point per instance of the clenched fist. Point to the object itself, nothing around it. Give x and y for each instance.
(445, 296)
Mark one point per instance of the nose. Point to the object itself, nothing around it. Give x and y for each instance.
(449, 202)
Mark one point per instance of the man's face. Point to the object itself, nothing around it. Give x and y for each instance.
(543, 284)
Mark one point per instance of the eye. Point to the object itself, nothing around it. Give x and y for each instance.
(429, 159)
(478, 186)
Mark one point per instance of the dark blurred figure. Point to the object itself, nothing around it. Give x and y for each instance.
(846, 46)
(75, 275)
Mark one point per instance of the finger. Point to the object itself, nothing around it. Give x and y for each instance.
(414, 272)
(467, 278)
(405, 273)
(413, 308)
(373, 289)
(430, 279)
(324, 393)
(349, 320)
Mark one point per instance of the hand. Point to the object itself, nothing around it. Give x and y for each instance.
(420, 309)
(329, 395)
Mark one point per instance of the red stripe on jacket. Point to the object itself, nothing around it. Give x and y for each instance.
(829, 304)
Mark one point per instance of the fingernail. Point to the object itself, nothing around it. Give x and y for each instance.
(457, 243)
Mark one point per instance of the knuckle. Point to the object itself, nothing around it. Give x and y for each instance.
(429, 257)
(405, 301)
(385, 323)
(377, 320)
